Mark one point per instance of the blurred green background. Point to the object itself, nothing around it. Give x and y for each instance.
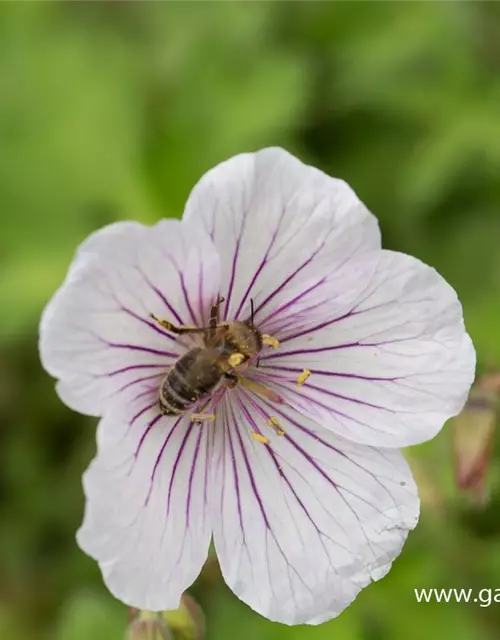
(113, 110)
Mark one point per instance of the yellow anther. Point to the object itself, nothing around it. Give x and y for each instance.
(278, 429)
(269, 340)
(202, 417)
(303, 377)
(235, 359)
(260, 438)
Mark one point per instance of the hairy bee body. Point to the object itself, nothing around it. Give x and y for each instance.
(197, 373)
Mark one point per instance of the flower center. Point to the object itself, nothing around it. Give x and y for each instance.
(199, 379)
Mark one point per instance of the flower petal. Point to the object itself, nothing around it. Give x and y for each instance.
(303, 523)
(96, 334)
(277, 222)
(146, 520)
(391, 370)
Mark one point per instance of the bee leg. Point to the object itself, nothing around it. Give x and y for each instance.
(182, 328)
(172, 327)
(232, 380)
(214, 313)
(214, 320)
(202, 417)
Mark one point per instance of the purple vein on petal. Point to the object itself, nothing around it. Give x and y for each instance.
(261, 266)
(176, 464)
(287, 437)
(227, 431)
(338, 487)
(335, 411)
(191, 474)
(161, 296)
(132, 367)
(159, 457)
(298, 270)
(335, 374)
(249, 471)
(187, 300)
(233, 276)
(136, 347)
(300, 352)
(285, 306)
(150, 425)
(302, 392)
(137, 381)
(256, 493)
(201, 310)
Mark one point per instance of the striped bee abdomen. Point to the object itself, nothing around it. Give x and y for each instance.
(194, 375)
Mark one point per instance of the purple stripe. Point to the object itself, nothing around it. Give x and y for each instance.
(249, 471)
(201, 310)
(208, 449)
(152, 325)
(279, 469)
(342, 397)
(158, 458)
(233, 275)
(290, 303)
(151, 424)
(135, 347)
(141, 412)
(295, 273)
(176, 464)
(160, 295)
(301, 352)
(227, 431)
(332, 410)
(133, 367)
(191, 475)
(259, 501)
(317, 327)
(136, 381)
(311, 460)
(186, 299)
(261, 265)
(328, 373)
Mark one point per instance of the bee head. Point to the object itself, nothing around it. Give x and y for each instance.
(245, 338)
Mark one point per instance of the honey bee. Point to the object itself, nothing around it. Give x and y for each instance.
(196, 374)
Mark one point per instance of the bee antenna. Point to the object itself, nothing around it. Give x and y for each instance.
(251, 310)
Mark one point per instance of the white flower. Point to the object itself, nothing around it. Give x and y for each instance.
(301, 521)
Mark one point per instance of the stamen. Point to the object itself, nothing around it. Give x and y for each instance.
(269, 340)
(260, 438)
(202, 417)
(263, 391)
(235, 359)
(278, 429)
(303, 377)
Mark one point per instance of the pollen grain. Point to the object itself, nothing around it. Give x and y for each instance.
(235, 359)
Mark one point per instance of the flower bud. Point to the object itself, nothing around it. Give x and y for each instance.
(148, 628)
(187, 622)
(473, 432)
